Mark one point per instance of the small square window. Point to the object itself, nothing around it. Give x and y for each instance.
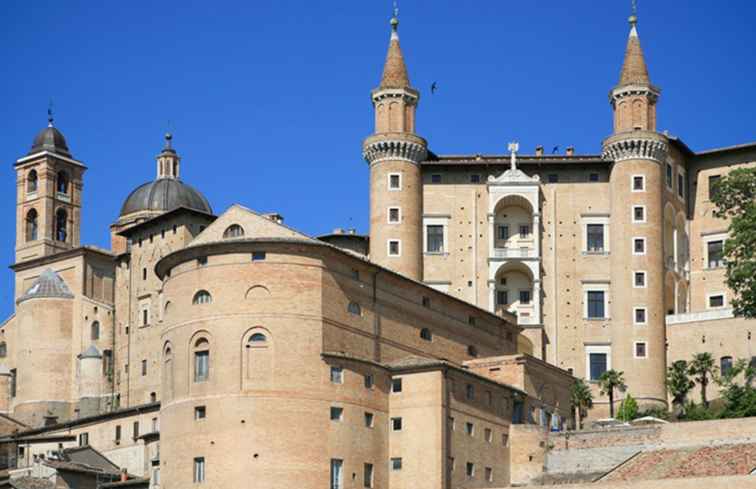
(395, 181)
(593, 177)
(470, 429)
(258, 255)
(488, 435)
(525, 297)
(337, 375)
(202, 261)
(336, 413)
(639, 279)
(639, 213)
(716, 301)
(393, 215)
(639, 315)
(396, 463)
(639, 183)
(396, 385)
(553, 178)
(475, 178)
(639, 246)
(369, 419)
(436, 178)
(396, 424)
(369, 381)
(200, 412)
(640, 349)
(393, 247)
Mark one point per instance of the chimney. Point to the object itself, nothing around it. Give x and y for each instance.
(539, 150)
(571, 151)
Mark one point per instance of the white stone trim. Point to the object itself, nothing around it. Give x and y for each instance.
(694, 317)
(645, 315)
(635, 351)
(632, 245)
(388, 182)
(399, 215)
(596, 287)
(632, 214)
(709, 295)
(394, 150)
(388, 248)
(632, 183)
(645, 279)
(585, 220)
(705, 251)
(48, 153)
(436, 221)
(605, 348)
(636, 148)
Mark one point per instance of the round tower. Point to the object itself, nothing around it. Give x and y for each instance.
(394, 153)
(638, 152)
(44, 316)
(90, 381)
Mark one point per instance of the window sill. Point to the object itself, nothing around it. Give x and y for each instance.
(595, 253)
(596, 319)
(436, 253)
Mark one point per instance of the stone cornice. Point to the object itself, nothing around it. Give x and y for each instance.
(636, 145)
(394, 147)
(619, 93)
(409, 95)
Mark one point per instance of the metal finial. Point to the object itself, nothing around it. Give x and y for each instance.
(634, 15)
(168, 138)
(50, 114)
(395, 21)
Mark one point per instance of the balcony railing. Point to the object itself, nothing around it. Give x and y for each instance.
(514, 253)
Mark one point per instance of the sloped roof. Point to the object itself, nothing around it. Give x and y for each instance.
(49, 285)
(634, 69)
(91, 352)
(394, 70)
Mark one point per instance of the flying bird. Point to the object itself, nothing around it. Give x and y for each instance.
(434, 87)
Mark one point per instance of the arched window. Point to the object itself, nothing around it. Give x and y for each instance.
(202, 297)
(95, 331)
(201, 360)
(426, 334)
(61, 225)
(257, 368)
(725, 365)
(233, 231)
(62, 182)
(354, 308)
(256, 339)
(32, 225)
(3, 350)
(472, 351)
(31, 182)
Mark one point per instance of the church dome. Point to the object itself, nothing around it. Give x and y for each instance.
(163, 195)
(50, 139)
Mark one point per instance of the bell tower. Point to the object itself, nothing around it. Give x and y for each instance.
(394, 153)
(49, 183)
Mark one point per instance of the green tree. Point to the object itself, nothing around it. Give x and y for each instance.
(735, 198)
(702, 367)
(628, 409)
(739, 398)
(610, 380)
(582, 400)
(679, 384)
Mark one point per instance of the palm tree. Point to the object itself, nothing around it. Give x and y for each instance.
(582, 400)
(679, 383)
(610, 380)
(703, 368)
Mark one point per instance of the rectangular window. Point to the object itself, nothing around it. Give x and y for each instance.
(452, 423)
(639, 246)
(426, 302)
(475, 178)
(715, 252)
(596, 304)
(470, 470)
(396, 424)
(393, 247)
(118, 433)
(337, 375)
(136, 429)
(471, 320)
(336, 413)
(669, 175)
(199, 470)
(396, 463)
(369, 419)
(518, 411)
(470, 429)
(501, 298)
(144, 368)
(367, 475)
(639, 213)
(200, 412)
(597, 364)
(716, 301)
(470, 391)
(713, 184)
(488, 435)
(258, 255)
(639, 315)
(201, 366)
(393, 215)
(435, 238)
(369, 382)
(337, 477)
(435, 178)
(639, 183)
(524, 231)
(681, 185)
(553, 178)
(396, 385)
(503, 232)
(640, 349)
(489, 474)
(595, 235)
(524, 297)
(639, 280)
(155, 426)
(395, 181)
(83, 439)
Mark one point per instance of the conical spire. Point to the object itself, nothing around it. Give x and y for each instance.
(394, 71)
(634, 70)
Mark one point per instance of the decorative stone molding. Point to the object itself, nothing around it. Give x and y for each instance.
(408, 95)
(402, 147)
(632, 147)
(649, 91)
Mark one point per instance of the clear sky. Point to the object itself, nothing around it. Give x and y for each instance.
(269, 100)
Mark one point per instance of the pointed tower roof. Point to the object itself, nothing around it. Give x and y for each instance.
(394, 70)
(48, 284)
(91, 352)
(634, 70)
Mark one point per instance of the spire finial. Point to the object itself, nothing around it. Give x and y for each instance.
(395, 22)
(50, 114)
(634, 15)
(168, 138)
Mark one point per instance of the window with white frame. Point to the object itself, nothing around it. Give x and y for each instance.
(337, 375)
(640, 349)
(394, 215)
(715, 252)
(395, 181)
(638, 183)
(640, 316)
(639, 279)
(716, 300)
(639, 246)
(598, 359)
(436, 235)
(394, 247)
(199, 470)
(596, 300)
(396, 463)
(639, 213)
(595, 238)
(337, 476)
(595, 234)
(337, 413)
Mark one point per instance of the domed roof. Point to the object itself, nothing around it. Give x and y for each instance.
(48, 284)
(165, 194)
(50, 139)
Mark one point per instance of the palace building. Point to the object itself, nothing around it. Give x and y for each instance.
(435, 352)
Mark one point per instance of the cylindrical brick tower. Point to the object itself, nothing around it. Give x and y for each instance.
(394, 154)
(638, 345)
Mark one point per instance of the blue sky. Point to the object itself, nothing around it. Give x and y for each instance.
(269, 100)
